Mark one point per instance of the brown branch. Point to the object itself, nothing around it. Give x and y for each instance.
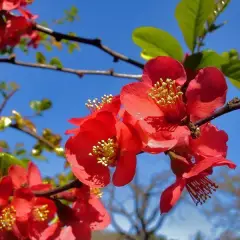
(73, 184)
(34, 135)
(6, 99)
(232, 105)
(77, 72)
(90, 41)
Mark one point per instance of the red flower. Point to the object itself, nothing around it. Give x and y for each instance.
(107, 103)
(100, 143)
(194, 178)
(86, 215)
(30, 178)
(192, 163)
(12, 28)
(158, 98)
(10, 223)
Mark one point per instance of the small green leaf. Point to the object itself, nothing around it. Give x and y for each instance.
(42, 105)
(40, 58)
(6, 160)
(5, 122)
(56, 62)
(235, 83)
(4, 144)
(191, 16)
(156, 42)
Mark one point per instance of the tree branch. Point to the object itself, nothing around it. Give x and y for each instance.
(90, 41)
(73, 184)
(80, 73)
(6, 99)
(232, 105)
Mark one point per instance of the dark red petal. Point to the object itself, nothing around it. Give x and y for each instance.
(76, 231)
(18, 175)
(125, 169)
(34, 175)
(163, 67)
(135, 100)
(206, 93)
(6, 189)
(211, 143)
(207, 163)
(171, 195)
(103, 219)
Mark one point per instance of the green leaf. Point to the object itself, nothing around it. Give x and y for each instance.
(191, 16)
(232, 70)
(203, 59)
(5, 122)
(235, 83)
(6, 160)
(56, 62)
(40, 58)
(42, 105)
(156, 42)
(211, 59)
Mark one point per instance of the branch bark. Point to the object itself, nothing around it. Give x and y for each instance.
(77, 72)
(96, 42)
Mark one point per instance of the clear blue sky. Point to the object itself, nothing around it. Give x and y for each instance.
(113, 22)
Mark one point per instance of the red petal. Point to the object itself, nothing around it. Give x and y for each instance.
(52, 232)
(206, 93)
(127, 138)
(18, 175)
(23, 208)
(135, 99)
(163, 67)
(207, 163)
(103, 218)
(76, 231)
(211, 143)
(171, 195)
(6, 189)
(34, 175)
(125, 169)
(85, 167)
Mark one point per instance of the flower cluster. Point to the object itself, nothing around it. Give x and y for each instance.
(14, 27)
(25, 213)
(154, 115)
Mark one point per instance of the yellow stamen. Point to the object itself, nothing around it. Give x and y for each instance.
(105, 152)
(7, 218)
(95, 104)
(41, 213)
(96, 191)
(165, 93)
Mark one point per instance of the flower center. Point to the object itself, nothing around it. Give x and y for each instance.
(7, 218)
(95, 104)
(105, 152)
(41, 213)
(200, 189)
(96, 191)
(165, 93)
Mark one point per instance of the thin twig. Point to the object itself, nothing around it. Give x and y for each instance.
(232, 105)
(90, 41)
(73, 184)
(34, 135)
(80, 73)
(6, 99)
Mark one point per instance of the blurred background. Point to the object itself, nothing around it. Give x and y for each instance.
(49, 98)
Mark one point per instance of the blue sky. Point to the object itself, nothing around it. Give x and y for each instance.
(113, 22)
